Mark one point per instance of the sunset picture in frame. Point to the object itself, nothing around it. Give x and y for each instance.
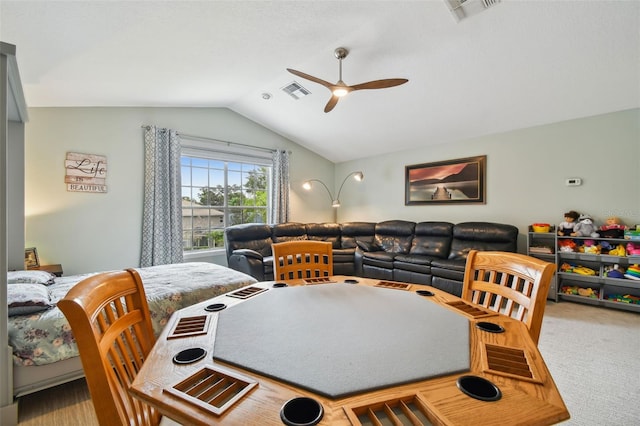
(446, 182)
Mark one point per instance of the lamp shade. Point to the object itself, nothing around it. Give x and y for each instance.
(335, 202)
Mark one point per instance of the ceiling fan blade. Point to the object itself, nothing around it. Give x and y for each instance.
(310, 77)
(380, 84)
(332, 103)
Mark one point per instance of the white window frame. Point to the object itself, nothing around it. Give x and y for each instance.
(212, 150)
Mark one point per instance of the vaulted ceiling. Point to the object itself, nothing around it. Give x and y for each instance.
(519, 63)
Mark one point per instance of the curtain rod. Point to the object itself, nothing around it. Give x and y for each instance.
(220, 141)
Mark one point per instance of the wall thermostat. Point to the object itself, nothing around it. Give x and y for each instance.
(574, 181)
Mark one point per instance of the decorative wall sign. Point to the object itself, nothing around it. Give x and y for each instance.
(85, 172)
(446, 182)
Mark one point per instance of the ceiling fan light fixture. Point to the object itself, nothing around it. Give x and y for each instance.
(340, 91)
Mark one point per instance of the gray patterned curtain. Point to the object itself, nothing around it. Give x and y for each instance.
(280, 187)
(162, 213)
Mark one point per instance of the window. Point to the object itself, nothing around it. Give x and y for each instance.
(220, 190)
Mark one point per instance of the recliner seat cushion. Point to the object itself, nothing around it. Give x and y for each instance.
(381, 259)
(413, 262)
(413, 267)
(343, 255)
(414, 259)
(449, 264)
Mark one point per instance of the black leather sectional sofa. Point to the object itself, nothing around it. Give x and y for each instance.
(432, 253)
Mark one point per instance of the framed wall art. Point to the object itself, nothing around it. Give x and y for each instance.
(31, 258)
(446, 182)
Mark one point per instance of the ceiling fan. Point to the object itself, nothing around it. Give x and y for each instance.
(340, 89)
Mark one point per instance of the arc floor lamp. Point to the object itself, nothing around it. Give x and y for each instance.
(335, 202)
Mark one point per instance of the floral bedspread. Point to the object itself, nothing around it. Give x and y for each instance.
(45, 337)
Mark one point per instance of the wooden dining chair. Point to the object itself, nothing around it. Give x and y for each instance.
(302, 259)
(510, 283)
(111, 324)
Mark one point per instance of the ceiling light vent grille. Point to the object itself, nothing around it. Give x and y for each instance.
(295, 90)
(465, 8)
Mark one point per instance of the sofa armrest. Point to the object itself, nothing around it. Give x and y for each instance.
(247, 252)
(357, 263)
(247, 261)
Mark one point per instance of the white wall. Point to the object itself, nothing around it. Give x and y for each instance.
(526, 172)
(92, 232)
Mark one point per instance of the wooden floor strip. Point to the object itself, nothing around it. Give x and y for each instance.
(69, 404)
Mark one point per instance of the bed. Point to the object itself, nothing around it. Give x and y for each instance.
(44, 351)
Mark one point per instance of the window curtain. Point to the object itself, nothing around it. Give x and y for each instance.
(280, 187)
(162, 211)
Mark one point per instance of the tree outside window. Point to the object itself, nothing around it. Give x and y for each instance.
(217, 194)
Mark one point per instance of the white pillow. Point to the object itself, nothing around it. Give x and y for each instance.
(32, 277)
(26, 298)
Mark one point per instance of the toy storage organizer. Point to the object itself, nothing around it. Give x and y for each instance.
(571, 281)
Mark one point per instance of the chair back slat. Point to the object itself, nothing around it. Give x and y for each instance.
(510, 283)
(302, 259)
(111, 324)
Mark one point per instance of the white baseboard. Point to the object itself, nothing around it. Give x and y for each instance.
(9, 415)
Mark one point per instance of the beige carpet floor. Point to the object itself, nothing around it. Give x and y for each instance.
(593, 354)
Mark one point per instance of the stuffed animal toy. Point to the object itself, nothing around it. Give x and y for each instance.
(614, 271)
(606, 247)
(585, 227)
(590, 247)
(567, 245)
(566, 227)
(565, 267)
(633, 249)
(588, 292)
(612, 228)
(618, 251)
(583, 270)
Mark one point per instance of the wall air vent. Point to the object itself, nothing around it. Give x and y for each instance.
(465, 8)
(295, 90)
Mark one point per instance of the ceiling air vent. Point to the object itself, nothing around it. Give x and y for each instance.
(295, 90)
(464, 8)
